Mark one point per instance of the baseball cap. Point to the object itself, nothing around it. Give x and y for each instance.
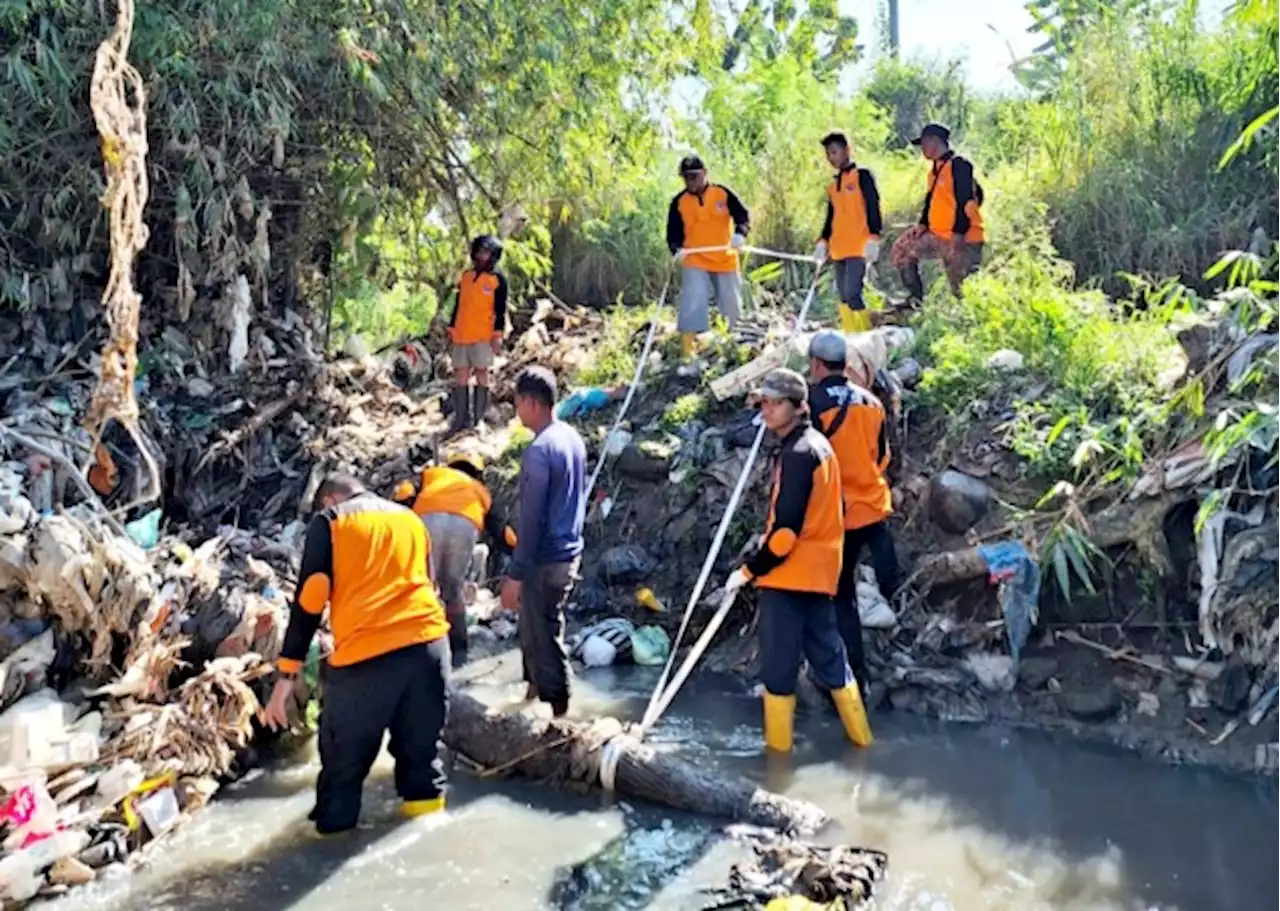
(785, 384)
(933, 129)
(829, 346)
(691, 163)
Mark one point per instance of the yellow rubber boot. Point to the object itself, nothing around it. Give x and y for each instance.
(688, 346)
(415, 808)
(854, 320)
(779, 721)
(853, 714)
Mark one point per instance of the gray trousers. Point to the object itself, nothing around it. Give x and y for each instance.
(849, 274)
(543, 597)
(453, 540)
(697, 287)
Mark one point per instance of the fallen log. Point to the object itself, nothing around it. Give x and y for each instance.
(566, 751)
(1140, 524)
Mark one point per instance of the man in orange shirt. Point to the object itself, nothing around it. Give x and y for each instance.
(797, 569)
(853, 419)
(950, 226)
(705, 214)
(476, 329)
(851, 233)
(367, 559)
(455, 506)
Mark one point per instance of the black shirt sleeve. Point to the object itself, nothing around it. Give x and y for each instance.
(457, 304)
(675, 225)
(962, 173)
(317, 559)
(871, 197)
(738, 212)
(826, 225)
(794, 489)
(500, 305)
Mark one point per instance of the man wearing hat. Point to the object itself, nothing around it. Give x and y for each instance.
(705, 214)
(797, 568)
(851, 233)
(852, 418)
(950, 227)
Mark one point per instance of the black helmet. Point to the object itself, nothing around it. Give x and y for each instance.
(490, 243)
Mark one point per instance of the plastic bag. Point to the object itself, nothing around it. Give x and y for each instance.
(650, 646)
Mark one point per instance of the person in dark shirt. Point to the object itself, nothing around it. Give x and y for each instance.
(553, 485)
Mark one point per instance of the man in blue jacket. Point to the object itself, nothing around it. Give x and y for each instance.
(553, 492)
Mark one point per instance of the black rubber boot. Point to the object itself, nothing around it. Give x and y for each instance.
(461, 409)
(482, 405)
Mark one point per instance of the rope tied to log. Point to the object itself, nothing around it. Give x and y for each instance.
(595, 752)
(118, 100)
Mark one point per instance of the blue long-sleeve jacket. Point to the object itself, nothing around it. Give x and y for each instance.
(553, 490)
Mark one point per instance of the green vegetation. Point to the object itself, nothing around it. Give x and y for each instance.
(686, 408)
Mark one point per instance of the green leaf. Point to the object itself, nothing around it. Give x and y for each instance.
(1061, 571)
(1063, 423)
(1246, 137)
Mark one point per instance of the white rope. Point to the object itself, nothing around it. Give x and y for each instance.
(635, 383)
(610, 753)
(662, 693)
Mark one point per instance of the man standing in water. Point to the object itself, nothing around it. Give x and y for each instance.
(366, 558)
(853, 419)
(705, 214)
(553, 484)
(797, 569)
(851, 233)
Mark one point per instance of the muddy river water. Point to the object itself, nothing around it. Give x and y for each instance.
(971, 817)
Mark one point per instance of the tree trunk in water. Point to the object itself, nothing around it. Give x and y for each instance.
(566, 751)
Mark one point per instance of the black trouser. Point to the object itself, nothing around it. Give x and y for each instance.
(542, 600)
(883, 560)
(406, 692)
(796, 625)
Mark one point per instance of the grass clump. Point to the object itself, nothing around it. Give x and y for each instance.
(683, 410)
(615, 357)
(1098, 374)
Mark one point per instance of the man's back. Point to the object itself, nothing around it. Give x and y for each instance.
(553, 483)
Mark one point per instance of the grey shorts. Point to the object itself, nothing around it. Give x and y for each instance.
(697, 287)
(478, 355)
(849, 275)
(453, 539)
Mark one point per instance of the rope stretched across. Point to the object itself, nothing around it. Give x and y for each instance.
(117, 97)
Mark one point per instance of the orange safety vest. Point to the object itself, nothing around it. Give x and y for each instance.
(941, 215)
(707, 223)
(446, 489)
(813, 562)
(374, 579)
(853, 419)
(474, 318)
(850, 229)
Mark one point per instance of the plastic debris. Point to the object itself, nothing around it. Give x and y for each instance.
(873, 610)
(583, 402)
(1011, 567)
(650, 646)
(598, 651)
(646, 598)
(1005, 359)
(145, 532)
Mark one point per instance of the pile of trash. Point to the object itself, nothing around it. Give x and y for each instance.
(788, 874)
(129, 682)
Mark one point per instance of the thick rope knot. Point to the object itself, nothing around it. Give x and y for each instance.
(595, 752)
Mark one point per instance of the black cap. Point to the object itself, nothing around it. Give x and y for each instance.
(691, 163)
(933, 129)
